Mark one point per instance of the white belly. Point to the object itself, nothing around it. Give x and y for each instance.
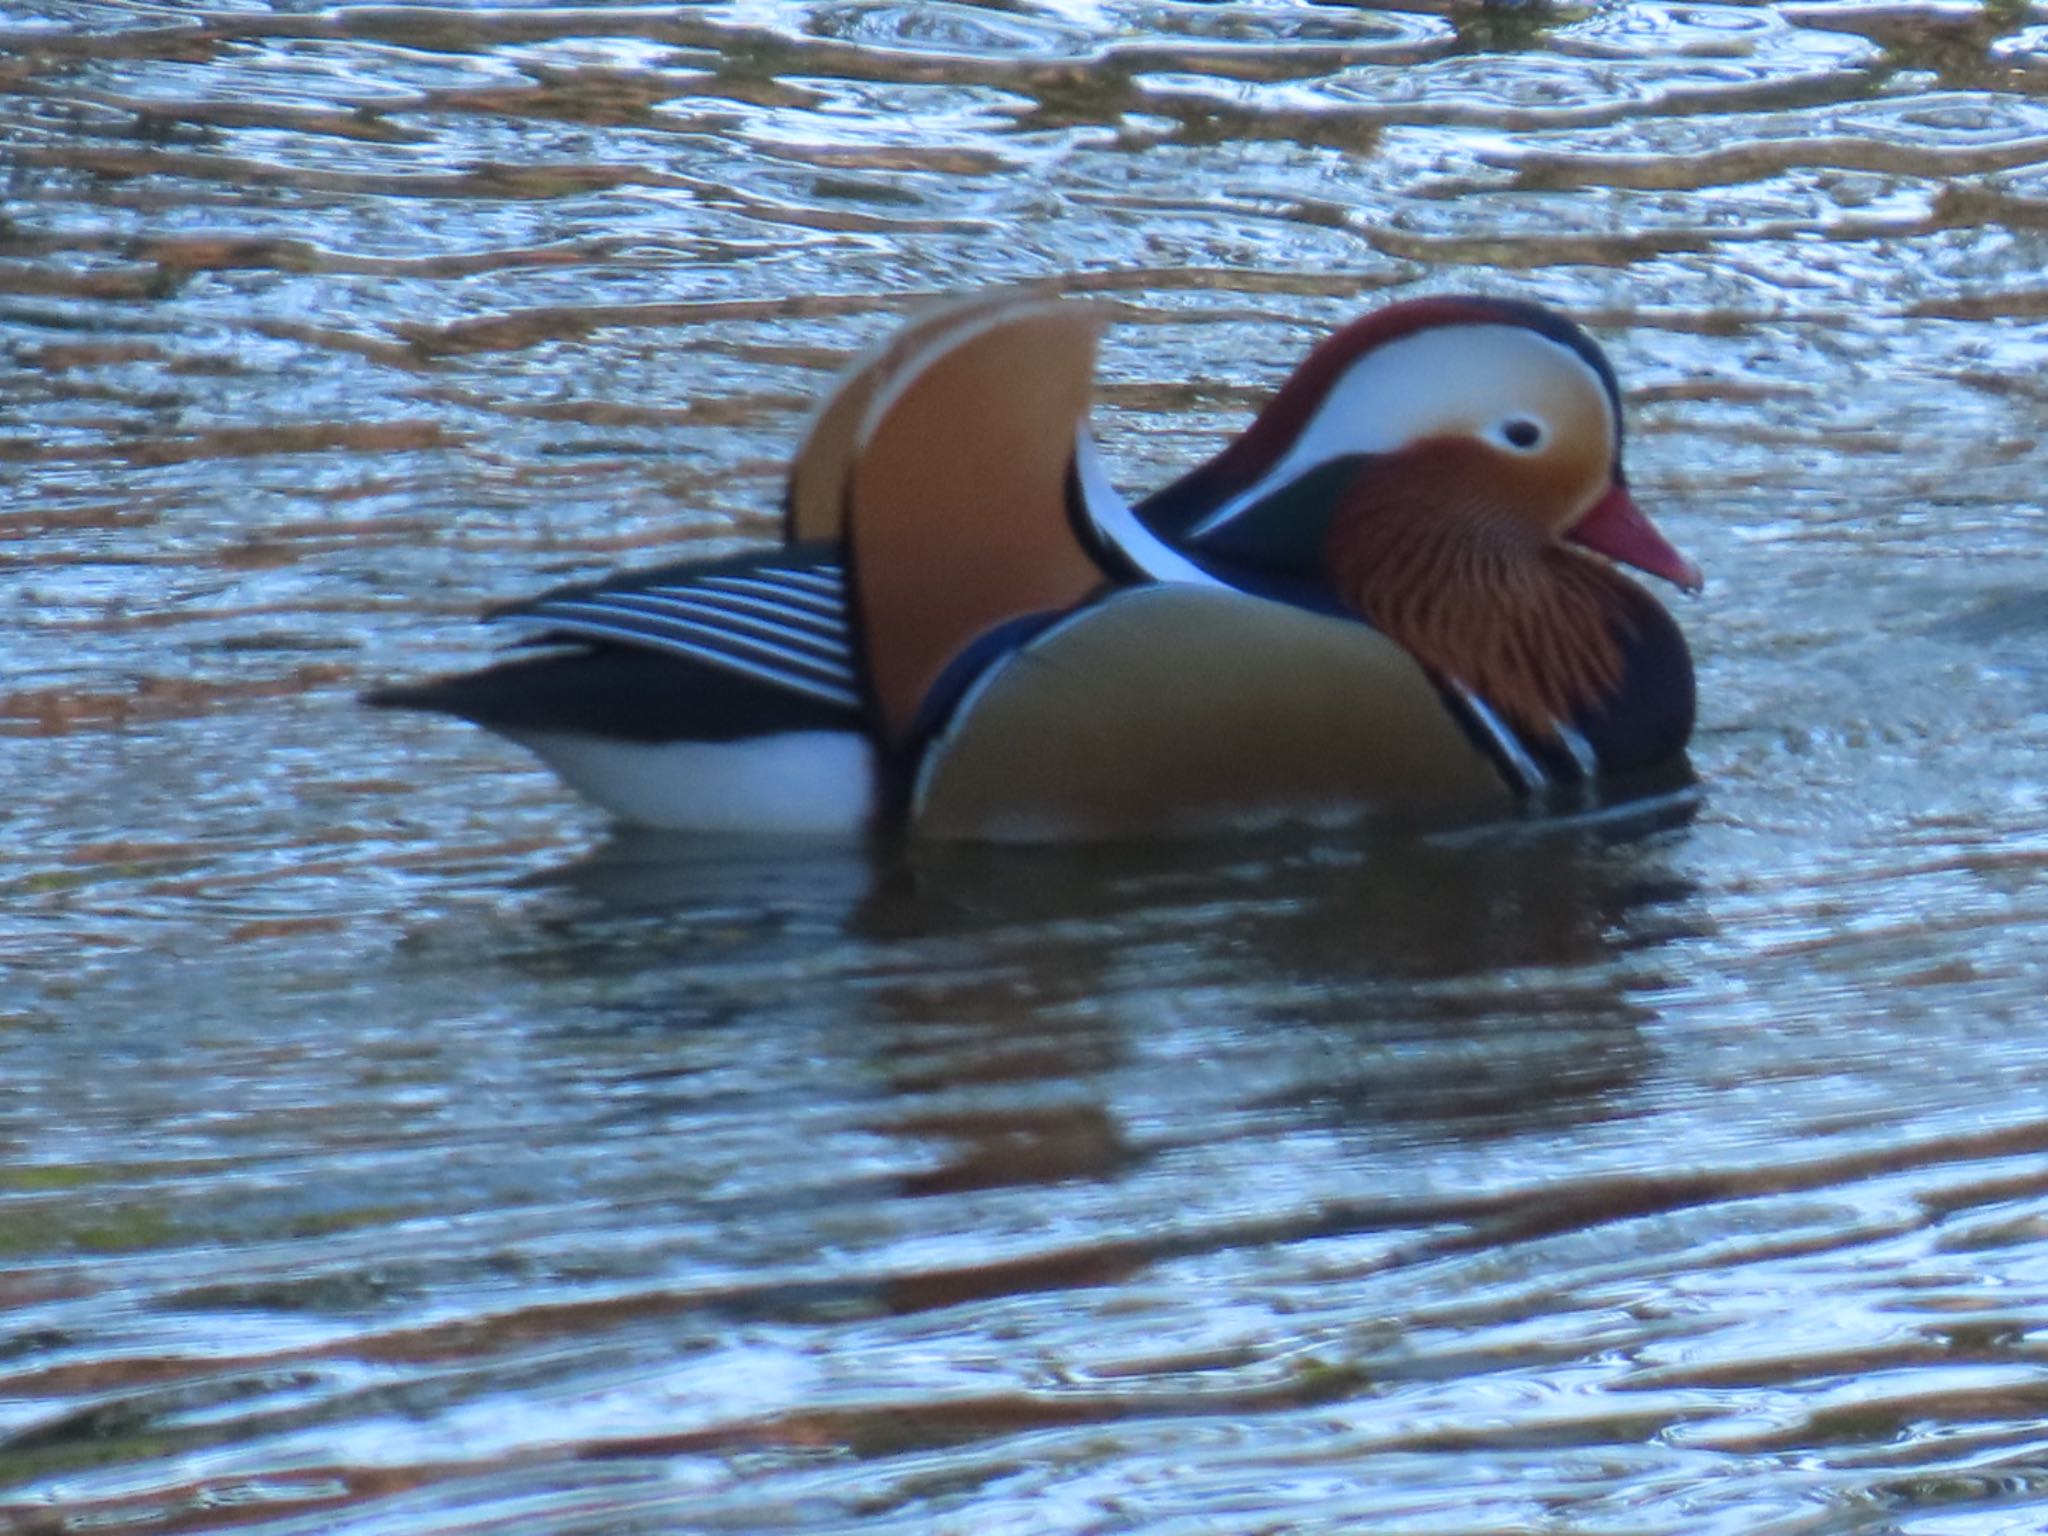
(798, 781)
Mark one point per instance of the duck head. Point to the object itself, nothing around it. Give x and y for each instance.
(1449, 470)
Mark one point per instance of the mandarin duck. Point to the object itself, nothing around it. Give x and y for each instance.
(1395, 591)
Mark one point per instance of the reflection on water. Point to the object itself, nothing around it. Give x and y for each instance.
(386, 1148)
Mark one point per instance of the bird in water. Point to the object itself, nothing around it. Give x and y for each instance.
(1395, 592)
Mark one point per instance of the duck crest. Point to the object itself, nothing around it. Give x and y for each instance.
(1176, 508)
(1482, 599)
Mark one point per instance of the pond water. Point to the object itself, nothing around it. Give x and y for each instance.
(386, 1147)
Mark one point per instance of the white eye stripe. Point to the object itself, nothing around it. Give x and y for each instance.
(1448, 379)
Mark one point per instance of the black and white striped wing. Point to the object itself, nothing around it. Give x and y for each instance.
(784, 625)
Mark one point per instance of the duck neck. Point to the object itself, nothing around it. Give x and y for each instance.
(1483, 598)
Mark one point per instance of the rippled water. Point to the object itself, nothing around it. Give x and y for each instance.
(382, 1149)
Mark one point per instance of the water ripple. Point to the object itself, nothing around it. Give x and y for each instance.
(386, 1150)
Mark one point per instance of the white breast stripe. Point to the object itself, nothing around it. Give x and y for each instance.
(1581, 749)
(1523, 766)
(934, 750)
(1118, 526)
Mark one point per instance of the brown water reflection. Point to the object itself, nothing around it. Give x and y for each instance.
(385, 1148)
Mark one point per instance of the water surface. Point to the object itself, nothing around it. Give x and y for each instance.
(384, 1147)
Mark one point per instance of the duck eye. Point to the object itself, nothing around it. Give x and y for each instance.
(1520, 432)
